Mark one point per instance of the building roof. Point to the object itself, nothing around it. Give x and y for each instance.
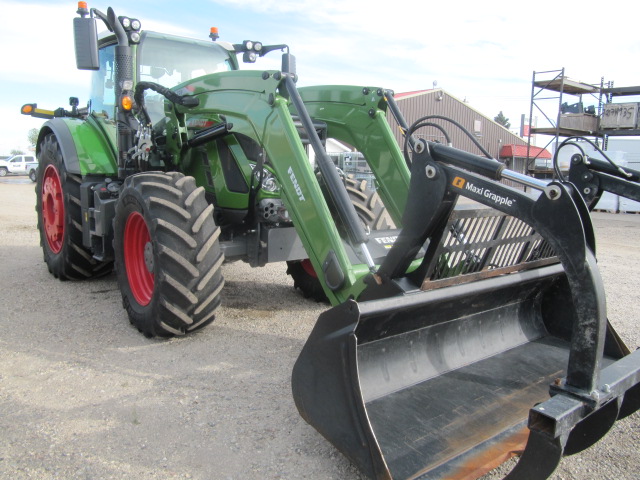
(512, 151)
(442, 93)
(411, 94)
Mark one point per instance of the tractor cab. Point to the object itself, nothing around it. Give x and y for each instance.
(164, 59)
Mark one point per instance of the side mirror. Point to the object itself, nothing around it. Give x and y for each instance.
(85, 33)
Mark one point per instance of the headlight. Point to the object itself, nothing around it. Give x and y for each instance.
(269, 182)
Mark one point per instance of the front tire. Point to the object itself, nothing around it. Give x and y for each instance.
(3, 171)
(167, 254)
(60, 218)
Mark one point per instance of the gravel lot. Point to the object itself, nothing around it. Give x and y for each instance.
(83, 395)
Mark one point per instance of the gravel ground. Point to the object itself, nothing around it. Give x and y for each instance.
(83, 395)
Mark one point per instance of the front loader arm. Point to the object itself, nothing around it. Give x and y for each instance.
(356, 116)
(256, 105)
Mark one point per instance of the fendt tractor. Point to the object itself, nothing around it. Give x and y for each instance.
(458, 334)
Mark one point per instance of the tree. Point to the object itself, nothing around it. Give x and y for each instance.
(16, 151)
(32, 136)
(502, 120)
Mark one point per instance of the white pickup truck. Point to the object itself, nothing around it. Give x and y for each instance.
(19, 165)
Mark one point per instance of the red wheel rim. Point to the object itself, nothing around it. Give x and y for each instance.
(308, 267)
(138, 258)
(52, 208)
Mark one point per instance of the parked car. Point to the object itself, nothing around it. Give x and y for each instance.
(32, 170)
(18, 165)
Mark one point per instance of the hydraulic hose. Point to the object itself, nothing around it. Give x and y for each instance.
(138, 97)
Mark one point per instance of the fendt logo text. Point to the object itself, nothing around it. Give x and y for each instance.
(292, 176)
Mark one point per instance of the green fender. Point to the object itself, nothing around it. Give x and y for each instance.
(86, 150)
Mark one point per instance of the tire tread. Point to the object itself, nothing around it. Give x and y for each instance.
(74, 261)
(188, 278)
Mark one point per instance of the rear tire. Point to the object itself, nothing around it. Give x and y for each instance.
(369, 205)
(167, 254)
(33, 175)
(60, 218)
(306, 280)
(373, 215)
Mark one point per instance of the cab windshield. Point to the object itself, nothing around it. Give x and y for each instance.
(170, 60)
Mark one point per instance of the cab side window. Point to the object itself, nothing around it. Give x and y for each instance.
(103, 85)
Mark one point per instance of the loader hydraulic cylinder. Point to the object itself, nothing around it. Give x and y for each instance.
(611, 169)
(397, 114)
(483, 166)
(337, 192)
(209, 134)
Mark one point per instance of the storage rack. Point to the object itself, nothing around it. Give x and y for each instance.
(556, 84)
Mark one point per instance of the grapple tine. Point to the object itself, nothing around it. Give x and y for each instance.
(539, 460)
(630, 403)
(593, 428)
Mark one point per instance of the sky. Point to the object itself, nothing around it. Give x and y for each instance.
(484, 52)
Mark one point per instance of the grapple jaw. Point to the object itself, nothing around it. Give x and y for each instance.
(440, 379)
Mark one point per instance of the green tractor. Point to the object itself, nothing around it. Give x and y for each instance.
(457, 332)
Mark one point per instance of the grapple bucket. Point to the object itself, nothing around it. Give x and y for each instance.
(441, 379)
(438, 381)
(439, 384)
